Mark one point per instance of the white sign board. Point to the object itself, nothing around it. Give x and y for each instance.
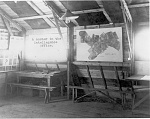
(103, 44)
(46, 48)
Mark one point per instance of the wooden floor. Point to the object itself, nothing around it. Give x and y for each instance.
(34, 107)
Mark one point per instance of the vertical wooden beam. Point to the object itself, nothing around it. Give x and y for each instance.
(103, 77)
(133, 57)
(118, 79)
(70, 57)
(89, 74)
(127, 30)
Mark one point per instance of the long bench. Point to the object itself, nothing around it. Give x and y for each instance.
(102, 90)
(75, 97)
(102, 74)
(45, 88)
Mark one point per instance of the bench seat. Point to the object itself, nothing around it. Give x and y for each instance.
(45, 88)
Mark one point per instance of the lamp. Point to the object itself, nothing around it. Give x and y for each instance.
(68, 16)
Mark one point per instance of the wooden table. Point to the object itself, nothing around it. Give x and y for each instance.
(140, 78)
(38, 74)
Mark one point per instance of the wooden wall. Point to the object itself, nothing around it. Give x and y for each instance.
(142, 49)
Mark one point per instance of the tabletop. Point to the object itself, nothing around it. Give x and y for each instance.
(36, 74)
(139, 77)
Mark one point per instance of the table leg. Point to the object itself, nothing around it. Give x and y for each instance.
(46, 95)
(49, 84)
(73, 94)
(61, 87)
(6, 83)
(76, 91)
(18, 80)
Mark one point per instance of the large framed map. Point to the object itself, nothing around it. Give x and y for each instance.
(104, 44)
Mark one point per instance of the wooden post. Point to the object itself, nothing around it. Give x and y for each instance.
(127, 29)
(6, 81)
(90, 77)
(103, 77)
(133, 53)
(70, 56)
(118, 79)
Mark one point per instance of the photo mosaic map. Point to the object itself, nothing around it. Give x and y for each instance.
(99, 43)
(103, 44)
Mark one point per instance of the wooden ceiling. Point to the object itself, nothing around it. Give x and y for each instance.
(38, 14)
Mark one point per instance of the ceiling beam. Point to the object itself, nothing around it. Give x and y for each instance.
(107, 16)
(138, 5)
(102, 9)
(104, 12)
(33, 17)
(10, 20)
(88, 11)
(48, 21)
(124, 4)
(7, 26)
(51, 6)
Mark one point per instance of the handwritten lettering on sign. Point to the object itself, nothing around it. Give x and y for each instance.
(46, 42)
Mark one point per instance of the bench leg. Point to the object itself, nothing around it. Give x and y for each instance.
(133, 101)
(10, 88)
(49, 95)
(123, 100)
(46, 95)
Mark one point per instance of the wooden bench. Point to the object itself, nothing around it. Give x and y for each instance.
(75, 88)
(45, 88)
(103, 74)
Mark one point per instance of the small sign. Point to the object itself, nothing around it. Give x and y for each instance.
(4, 39)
